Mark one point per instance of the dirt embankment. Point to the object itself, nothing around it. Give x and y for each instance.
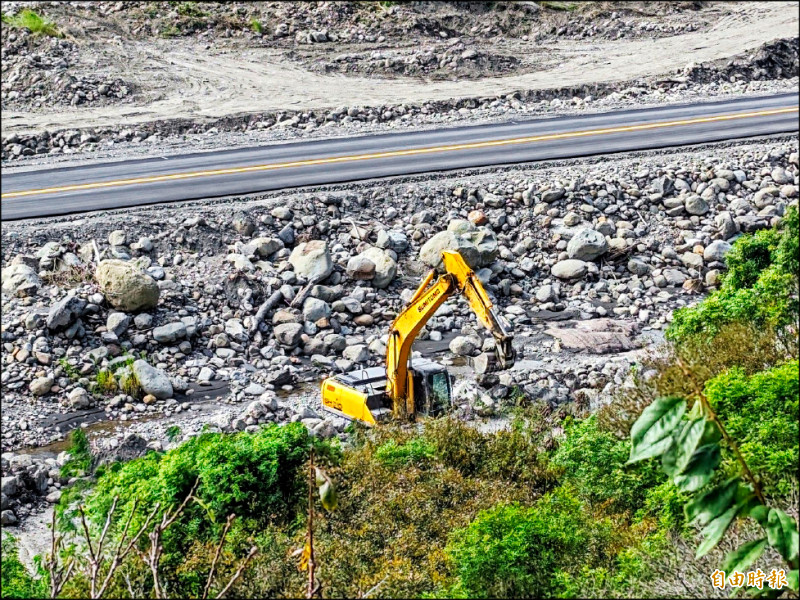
(154, 61)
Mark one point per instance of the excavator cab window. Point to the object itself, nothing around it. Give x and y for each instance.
(438, 385)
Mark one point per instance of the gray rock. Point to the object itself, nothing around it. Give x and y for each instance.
(170, 332)
(7, 517)
(690, 259)
(385, 267)
(143, 320)
(315, 309)
(695, 205)
(152, 380)
(569, 269)
(265, 247)
(638, 267)
(462, 345)
(357, 353)
(125, 286)
(41, 386)
(206, 374)
(546, 293)
(254, 389)
(477, 245)
(9, 486)
(65, 311)
(360, 268)
(288, 334)
(20, 280)
(392, 239)
(117, 323)
(675, 277)
(117, 237)
(311, 260)
(553, 195)
(243, 224)
(726, 225)
(587, 245)
(716, 251)
(79, 399)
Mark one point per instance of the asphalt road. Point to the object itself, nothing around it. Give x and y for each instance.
(65, 190)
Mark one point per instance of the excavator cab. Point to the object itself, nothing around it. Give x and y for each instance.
(432, 387)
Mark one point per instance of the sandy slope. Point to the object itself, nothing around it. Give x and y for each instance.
(182, 80)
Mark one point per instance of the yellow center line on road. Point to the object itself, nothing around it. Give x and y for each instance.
(395, 153)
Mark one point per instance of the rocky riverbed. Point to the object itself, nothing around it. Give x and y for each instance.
(225, 315)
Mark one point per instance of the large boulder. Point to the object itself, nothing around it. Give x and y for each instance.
(385, 267)
(20, 280)
(587, 244)
(311, 260)
(477, 245)
(125, 286)
(152, 380)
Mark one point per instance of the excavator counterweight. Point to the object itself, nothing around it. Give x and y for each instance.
(404, 387)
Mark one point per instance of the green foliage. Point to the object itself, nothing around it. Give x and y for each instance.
(252, 475)
(510, 551)
(104, 382)
(417, 450)
(256, 26)
(690, 454)
(760, 287)
(761, 413)
(190, 9)
(80, 455)
(69, 370)
(259, 477)
(173, 433)
(594, 464)
(28, 19)
(17, 582)
(558, 6)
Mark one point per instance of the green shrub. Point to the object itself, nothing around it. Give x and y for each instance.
(256, 26)
(80, 455)
(594, 463)
(417, 450)
(761, 413)
(252, 475)
(510, 551)
(760, 287)
(17, 582)
(28, 19)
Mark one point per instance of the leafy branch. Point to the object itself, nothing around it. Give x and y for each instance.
(690, 453)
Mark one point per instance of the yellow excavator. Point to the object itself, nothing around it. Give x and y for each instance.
(406, 389)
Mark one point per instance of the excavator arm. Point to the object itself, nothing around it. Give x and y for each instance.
(424, 303)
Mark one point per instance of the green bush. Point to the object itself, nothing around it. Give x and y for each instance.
(17, 582)
(28, 19)
(255, 476)
(761, 413)
(80, 455)
(594, 462)
(760, 287)
(417, 450)
(259, 477)
(510, 551)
